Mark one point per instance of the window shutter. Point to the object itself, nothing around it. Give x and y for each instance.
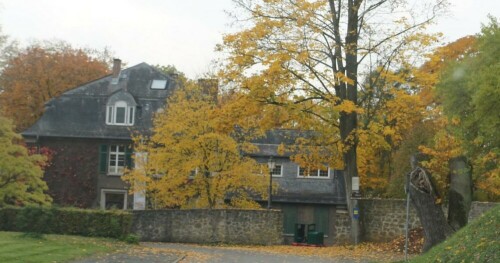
(129, 162)
(103, 158)
(321, 219)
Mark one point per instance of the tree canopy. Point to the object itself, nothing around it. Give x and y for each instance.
(470, 91)
(194, 159)
(309, 56)
(20, 173)
(40, 72)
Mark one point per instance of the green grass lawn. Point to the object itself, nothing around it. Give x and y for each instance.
(16, 247)
(477, 242)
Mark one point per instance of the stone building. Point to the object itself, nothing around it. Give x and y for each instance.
(89, 129)
(317, 198)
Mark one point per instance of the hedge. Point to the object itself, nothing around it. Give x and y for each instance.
(66, 221)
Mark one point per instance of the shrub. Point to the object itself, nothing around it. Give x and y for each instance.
(131, 239)
(8, 218)
(34, 220)
(70, 221)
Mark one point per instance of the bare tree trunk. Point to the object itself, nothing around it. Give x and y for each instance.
(423, 197)
(460, 193)
(350, 123)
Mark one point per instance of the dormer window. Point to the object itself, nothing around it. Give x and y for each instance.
(159, 84)
(120, 109)
(120, 114)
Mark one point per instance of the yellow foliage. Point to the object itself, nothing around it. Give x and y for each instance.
(193, 159)
(489, 179)
(303, 64)
(444, 147)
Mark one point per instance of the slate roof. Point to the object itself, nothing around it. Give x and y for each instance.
(81, 112)
(268, 144)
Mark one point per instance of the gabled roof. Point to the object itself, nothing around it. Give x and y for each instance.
(81, 112)
(268, 144)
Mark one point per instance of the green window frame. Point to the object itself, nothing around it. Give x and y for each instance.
(104, 157)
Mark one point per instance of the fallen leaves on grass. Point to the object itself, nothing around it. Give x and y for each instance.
(415, 242)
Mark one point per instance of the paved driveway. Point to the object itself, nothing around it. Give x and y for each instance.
(190, 253)
(197, 253)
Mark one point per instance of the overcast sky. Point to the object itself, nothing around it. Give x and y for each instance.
(176, 32)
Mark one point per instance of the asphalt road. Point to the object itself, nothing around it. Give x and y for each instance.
(210, 254)
(190, 253)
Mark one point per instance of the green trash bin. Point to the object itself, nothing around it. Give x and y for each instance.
(315, 238)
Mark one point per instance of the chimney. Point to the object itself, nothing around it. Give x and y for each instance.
(117, 66)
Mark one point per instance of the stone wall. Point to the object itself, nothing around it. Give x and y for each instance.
(257, 227)
(478, 208)
(342, 227)
(384, 219)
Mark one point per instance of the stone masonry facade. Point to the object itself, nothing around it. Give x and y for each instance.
(251, 227)
(384, 219)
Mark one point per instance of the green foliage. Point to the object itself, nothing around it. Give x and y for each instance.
(131, 239)
(20, 173)
(34, 220)
(477, 242)
(470, 92)
(69, 221)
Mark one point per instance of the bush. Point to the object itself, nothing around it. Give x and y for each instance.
(69, 221)
(8, 218)
(131, 239)
(35, 220)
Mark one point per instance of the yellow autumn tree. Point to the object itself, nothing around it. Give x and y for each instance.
(308, 57)
(432, 134)
(195, 159)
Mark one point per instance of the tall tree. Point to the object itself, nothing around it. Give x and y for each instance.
(194, 158)
(20, 173)
(305, 55)
(41, 72)
(470, 91)
(431, 130)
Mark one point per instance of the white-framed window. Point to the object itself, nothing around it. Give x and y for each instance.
(277, 171)
(120, 113)
(159, 84)
(113, 199)
(116, 159)
(313, 173)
